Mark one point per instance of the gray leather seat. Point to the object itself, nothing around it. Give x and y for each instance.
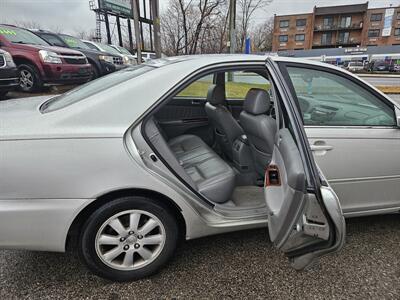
(226, 128)
(195, 162)
(259, 128)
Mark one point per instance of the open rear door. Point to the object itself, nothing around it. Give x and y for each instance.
(305, 219)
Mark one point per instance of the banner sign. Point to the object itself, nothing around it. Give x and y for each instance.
(117, 7)
(387, 27)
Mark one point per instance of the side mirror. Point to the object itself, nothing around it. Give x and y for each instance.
(397, 112)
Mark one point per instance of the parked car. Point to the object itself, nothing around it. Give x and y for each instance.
(9, 79)
(379, 66)
(149, 166)
(355, 66)
(121, 59)
(123, 51)
(39, 63)
(146, 56)
(102, 62)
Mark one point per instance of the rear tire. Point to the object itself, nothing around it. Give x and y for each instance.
(128, 252)
(30, 80)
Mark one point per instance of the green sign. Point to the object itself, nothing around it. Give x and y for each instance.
(117, 7)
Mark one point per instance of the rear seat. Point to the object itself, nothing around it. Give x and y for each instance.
(202, 167)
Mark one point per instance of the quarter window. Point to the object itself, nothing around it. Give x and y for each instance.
(283, 38)
(327, 99)
(284, 23)
(376, 17)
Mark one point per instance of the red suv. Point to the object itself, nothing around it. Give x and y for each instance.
(39, 63)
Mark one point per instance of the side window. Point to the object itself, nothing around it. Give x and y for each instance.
(332, 100)
(238, 83)
(198, 88)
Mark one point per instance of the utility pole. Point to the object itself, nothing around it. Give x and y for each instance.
(155, 8)
(232, 26)
(135, 8)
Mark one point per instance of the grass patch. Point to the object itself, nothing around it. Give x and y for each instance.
(389, 89)
(234, 90)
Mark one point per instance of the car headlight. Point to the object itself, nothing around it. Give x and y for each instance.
(106, 58)
(50, 57)
(9, 59)
(127, 60)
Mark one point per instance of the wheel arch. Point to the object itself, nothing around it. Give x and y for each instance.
(75, 227)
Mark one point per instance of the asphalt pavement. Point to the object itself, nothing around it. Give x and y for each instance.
(241, 265)
(382, 80)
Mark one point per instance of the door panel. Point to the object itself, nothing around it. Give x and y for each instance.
(297, 223)
(361, 165)
(185, 115)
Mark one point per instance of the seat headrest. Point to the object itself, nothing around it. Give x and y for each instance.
(257, 101)
(216, 95)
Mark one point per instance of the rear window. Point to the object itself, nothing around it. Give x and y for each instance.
(94, 87)
(21, 36)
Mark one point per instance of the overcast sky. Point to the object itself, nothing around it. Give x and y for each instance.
(74, 15)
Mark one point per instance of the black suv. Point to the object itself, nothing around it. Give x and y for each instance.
(102, 62)
(9, 79)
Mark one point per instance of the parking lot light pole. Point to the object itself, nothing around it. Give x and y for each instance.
(135, 8)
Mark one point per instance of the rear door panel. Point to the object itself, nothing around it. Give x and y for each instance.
(185, 115)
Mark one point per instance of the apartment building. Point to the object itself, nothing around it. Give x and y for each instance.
(337, 26)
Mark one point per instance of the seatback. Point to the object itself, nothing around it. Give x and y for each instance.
(259, 128)
(226, 128)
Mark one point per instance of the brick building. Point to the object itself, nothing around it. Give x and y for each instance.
(337, 26)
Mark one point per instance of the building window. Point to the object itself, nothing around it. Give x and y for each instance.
(373, 33)
(284, 23)
(283, 38)
(398, 15)
(345, 22)
(397, 32)
(328, 21)
(301, 22)
(344, 37)
(326, 38)
(376, 17)
(299, 37)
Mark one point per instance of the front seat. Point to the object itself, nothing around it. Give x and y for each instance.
(259, 128)
(225, 126)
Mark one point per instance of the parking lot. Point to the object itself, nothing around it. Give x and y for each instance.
(238, 265)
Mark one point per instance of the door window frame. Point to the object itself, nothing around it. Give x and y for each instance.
(283, 68)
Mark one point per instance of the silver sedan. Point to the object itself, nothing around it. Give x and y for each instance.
(122, 168)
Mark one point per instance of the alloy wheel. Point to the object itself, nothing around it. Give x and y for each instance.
(26, 79)
(130, 240)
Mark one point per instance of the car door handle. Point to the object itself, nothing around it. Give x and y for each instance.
(321, 146)
(196, 102)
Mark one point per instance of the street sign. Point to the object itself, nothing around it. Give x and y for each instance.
(121, 8)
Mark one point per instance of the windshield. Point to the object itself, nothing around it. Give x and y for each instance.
(73, 42)
(108, 49)
(94, 87)
(123, 50)
(21, 36)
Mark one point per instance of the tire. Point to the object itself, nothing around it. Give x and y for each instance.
(98, 254)
(30, 80)
(3, 95)
(95, 72)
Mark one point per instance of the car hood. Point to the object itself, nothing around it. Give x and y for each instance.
(21, 119)
(59, 50)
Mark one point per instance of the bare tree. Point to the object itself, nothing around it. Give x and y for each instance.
(246, 10)
(262, 36)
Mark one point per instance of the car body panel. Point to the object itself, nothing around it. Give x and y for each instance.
(97, 143)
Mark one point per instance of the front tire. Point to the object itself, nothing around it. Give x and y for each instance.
(128, 238)
(29, 78)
